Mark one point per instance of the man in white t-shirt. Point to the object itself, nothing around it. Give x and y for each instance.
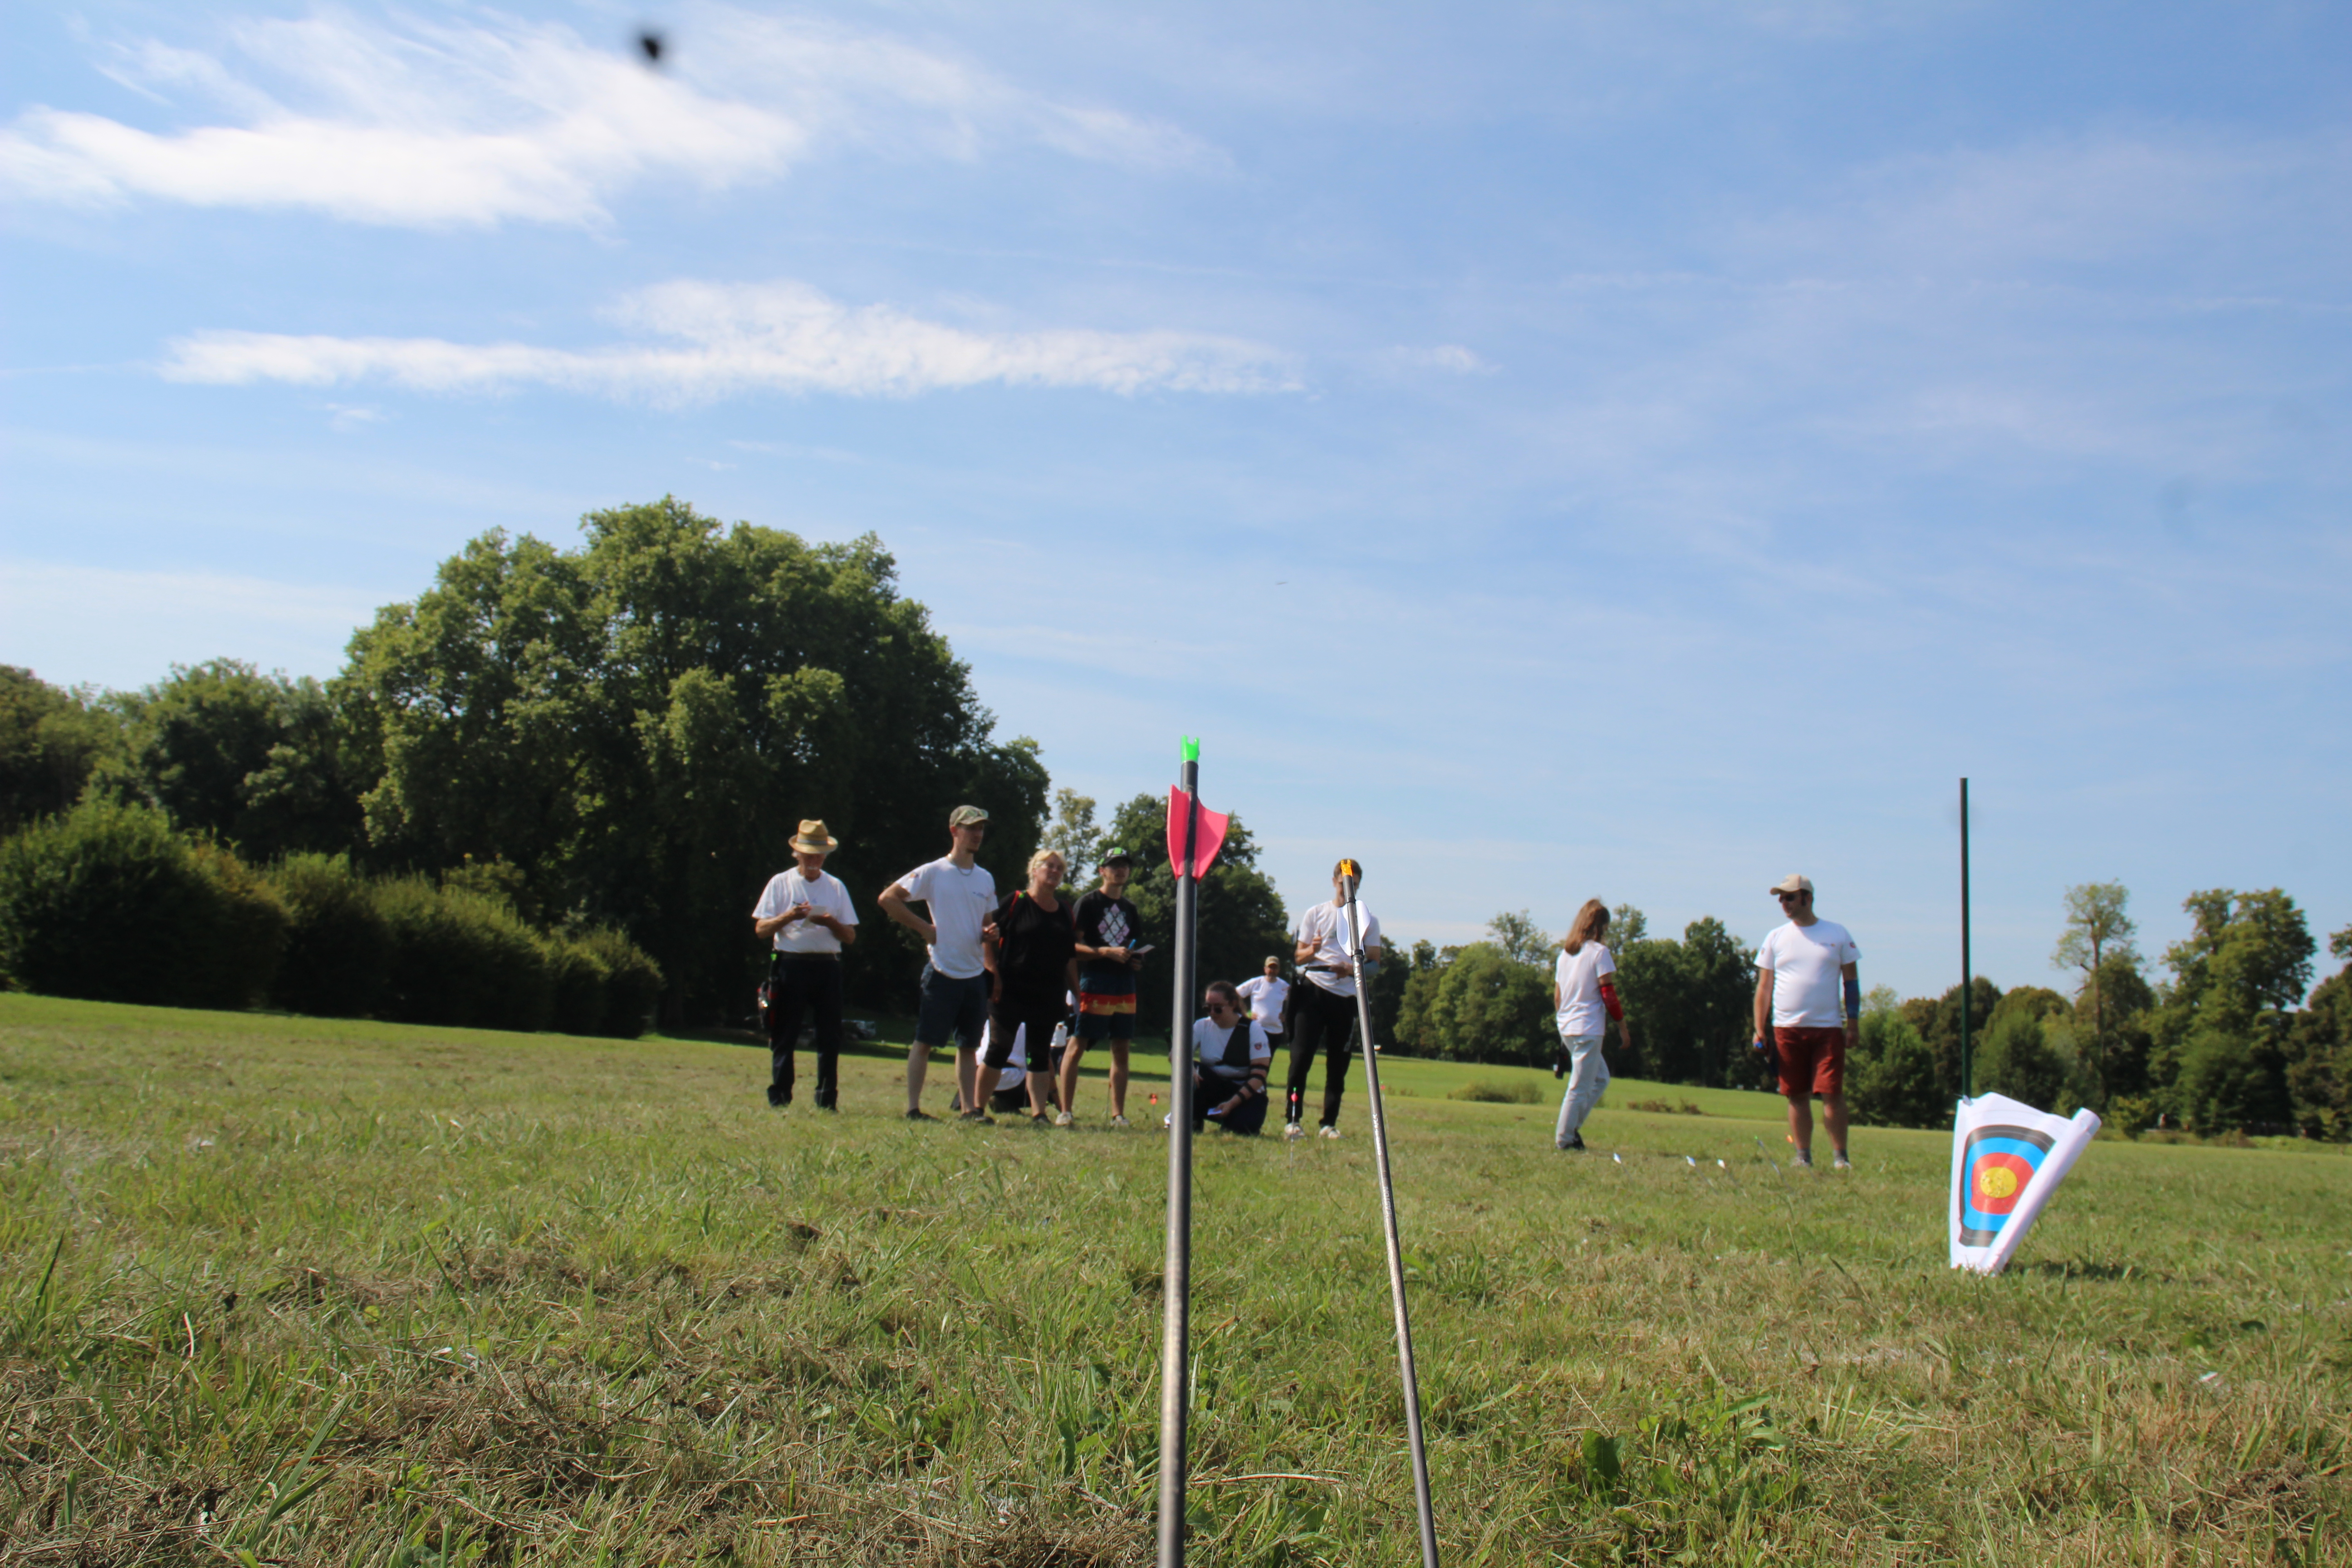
(1325, 1014)
(1809, 1005)
(961, 895)
(806, 912)
(1265, 996)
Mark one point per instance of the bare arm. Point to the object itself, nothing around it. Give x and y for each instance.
(894, 904)
(1763, 1003)
(1851, 974)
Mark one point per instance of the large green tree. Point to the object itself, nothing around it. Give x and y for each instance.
(1690, 1002)
(268, 763)
(1241, 915)
(1482, 1004)
(50, 738)
(639, 725)
(2097, 938)
(2219, 1058)
(1938, 1020)
(2319, 1051)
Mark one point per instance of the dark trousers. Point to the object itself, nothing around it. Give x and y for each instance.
(1247, 1118)
(1320, 1021)
(805, 983)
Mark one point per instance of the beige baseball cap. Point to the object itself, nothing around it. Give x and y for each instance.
(1791, 883)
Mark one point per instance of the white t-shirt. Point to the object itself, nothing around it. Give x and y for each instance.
(1266, 994)
(825, 896)
(1806, 964)
(1579, 975)
(960, 902)
(1208, 1040)
(1326, 925)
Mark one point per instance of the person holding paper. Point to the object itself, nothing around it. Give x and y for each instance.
(806, 912)
(1109, 957)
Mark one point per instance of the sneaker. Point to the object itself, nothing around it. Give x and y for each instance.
(1062, 1118)
(1803, 1159)
(1293, 1132)
(1118, 1121)
(1575, 1145)
(981, 1116)
(1328, 1132)
(1840, 1163)
(920, 1116)
(1040, 1119)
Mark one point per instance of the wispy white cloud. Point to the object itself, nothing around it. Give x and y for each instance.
(1452, 358)
(413, 123)
(714, 340)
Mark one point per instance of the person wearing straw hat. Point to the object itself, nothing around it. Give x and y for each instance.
(807, 914)
(1809, 1005)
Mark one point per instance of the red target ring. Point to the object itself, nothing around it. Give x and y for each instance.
(1998, 1181)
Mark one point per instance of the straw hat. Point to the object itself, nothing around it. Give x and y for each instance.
(812, 838)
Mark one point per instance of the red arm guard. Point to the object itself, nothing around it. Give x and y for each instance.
(1608, 1000)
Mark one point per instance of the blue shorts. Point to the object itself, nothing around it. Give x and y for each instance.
(953, 1010)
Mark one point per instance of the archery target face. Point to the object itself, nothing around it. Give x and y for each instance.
(1994, 1169)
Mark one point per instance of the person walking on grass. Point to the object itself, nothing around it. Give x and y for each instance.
(807, 914)
(1809, 1005)
(1231, 1055)
(959, 895)
(1584, 1000)
(1325, 1006)
(1109, 957)
(1268, 996)
(1030, 944)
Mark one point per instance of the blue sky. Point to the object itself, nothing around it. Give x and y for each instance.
(1621, 450)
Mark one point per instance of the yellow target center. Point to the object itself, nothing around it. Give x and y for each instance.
(2000, 1182)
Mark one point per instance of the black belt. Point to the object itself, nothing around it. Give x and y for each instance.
(782, 957)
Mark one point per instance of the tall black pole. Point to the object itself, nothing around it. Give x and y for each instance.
(1967, 1078)
(1177, 1277)
(1348, 877)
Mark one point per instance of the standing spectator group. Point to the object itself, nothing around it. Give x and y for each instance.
(1021, 989)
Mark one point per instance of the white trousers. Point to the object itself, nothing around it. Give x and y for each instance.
(1588, 1077)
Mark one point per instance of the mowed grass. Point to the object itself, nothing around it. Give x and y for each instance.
(289, 1291)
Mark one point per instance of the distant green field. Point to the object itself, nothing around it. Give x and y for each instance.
(289, 1291)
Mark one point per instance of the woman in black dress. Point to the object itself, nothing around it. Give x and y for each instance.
(1031, 940)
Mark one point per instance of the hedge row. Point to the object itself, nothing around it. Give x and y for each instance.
(109, 903)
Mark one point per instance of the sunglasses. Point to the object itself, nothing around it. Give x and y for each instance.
(1788, 897)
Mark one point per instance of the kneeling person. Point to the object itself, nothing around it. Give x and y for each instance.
(1230, 1056)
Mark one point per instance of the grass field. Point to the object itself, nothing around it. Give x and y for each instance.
(289, 1290)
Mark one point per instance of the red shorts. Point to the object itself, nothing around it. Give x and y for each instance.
(1812, 1061)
